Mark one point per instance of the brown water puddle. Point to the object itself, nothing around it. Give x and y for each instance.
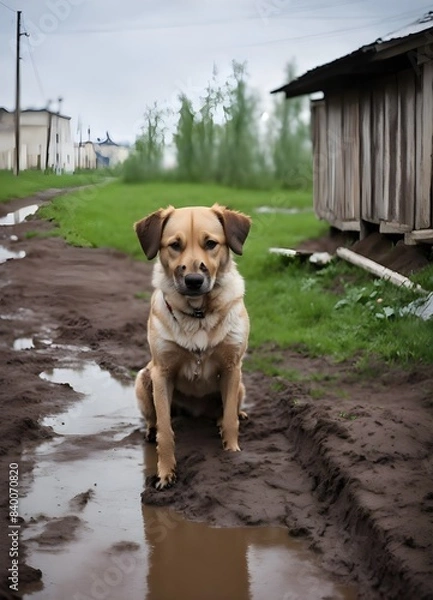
(92, 538)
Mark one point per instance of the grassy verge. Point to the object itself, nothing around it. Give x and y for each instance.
(339, 311)
(30, 182)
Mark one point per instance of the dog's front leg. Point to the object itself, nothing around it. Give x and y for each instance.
(230, 383)
(162, 396)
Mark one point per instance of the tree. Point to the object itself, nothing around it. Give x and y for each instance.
(289, 139)
(183, 139)
(146, 161)
(238, 151)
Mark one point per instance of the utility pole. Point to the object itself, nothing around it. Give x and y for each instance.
(58, 162)
(17, 98)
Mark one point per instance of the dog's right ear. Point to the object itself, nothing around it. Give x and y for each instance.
(149, 231)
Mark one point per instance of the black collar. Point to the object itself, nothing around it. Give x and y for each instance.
(197, 313)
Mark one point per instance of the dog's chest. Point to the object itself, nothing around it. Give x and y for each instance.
(192, 340)
(198, 365)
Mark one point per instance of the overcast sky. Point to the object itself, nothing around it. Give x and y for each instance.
(108, 59)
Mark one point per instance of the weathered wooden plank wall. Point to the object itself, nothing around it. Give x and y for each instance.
(373, 153)
(365, 111)
(377, 156)
(391, 180)
(334, 119)
(320, 156)
(351, 157)
(403, 209)
(423, 206)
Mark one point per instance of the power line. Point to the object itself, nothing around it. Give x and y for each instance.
(35, 70)
(328, 33)
(256, 17)
(424, 19)
(6, 6)
(303, 7)
(296, 10)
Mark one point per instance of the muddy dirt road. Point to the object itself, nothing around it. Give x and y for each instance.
(349, 475)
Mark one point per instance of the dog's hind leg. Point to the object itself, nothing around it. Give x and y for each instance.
(144, 393)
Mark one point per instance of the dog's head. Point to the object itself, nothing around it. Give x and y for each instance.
(193, 243)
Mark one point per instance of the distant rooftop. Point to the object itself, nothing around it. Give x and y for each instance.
(36, 110)
(107, 142)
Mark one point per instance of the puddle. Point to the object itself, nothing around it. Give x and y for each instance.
(6, 254)
(24, 343)
(107, 403)
(42, 342)
(18, 216)
(271, 210)
(21, 314)
(93, 539)
(68, 347)
(13, 218)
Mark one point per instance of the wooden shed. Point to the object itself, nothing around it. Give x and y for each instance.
(372, 136)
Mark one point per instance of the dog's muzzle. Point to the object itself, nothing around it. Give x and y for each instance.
(194, 282)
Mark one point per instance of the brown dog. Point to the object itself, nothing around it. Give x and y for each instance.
(198, 326)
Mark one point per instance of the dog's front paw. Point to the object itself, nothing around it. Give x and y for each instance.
(243, 416)
(231, 446)
(164, 482)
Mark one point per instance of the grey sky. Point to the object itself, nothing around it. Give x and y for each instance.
(108, 59)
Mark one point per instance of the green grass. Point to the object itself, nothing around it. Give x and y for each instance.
(106, 218)
(334, 311)
(30, 182)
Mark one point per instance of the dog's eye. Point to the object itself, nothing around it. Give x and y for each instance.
(210, 244)
(175, 246)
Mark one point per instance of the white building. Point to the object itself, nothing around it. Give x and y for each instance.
(110, 154)
(45, 140)
(85, 155)
(100, 154)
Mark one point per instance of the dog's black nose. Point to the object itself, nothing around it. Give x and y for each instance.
(194, 281)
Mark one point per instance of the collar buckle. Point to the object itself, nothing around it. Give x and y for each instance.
(197, 313)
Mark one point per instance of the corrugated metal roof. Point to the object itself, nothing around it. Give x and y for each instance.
(385, 54)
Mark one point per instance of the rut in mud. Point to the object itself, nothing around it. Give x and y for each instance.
(84, 516)
(348, 474)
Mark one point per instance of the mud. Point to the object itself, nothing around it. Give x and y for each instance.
(103, 542)
(341, 459)
(388, 250)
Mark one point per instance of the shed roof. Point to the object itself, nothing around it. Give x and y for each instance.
(386, 55)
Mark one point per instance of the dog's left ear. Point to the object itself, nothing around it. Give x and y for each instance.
(236, 226)
(149, 231)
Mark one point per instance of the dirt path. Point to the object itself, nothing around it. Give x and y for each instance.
(344, 461)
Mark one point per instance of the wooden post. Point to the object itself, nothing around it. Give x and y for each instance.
(17, 97)
(379, 270)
